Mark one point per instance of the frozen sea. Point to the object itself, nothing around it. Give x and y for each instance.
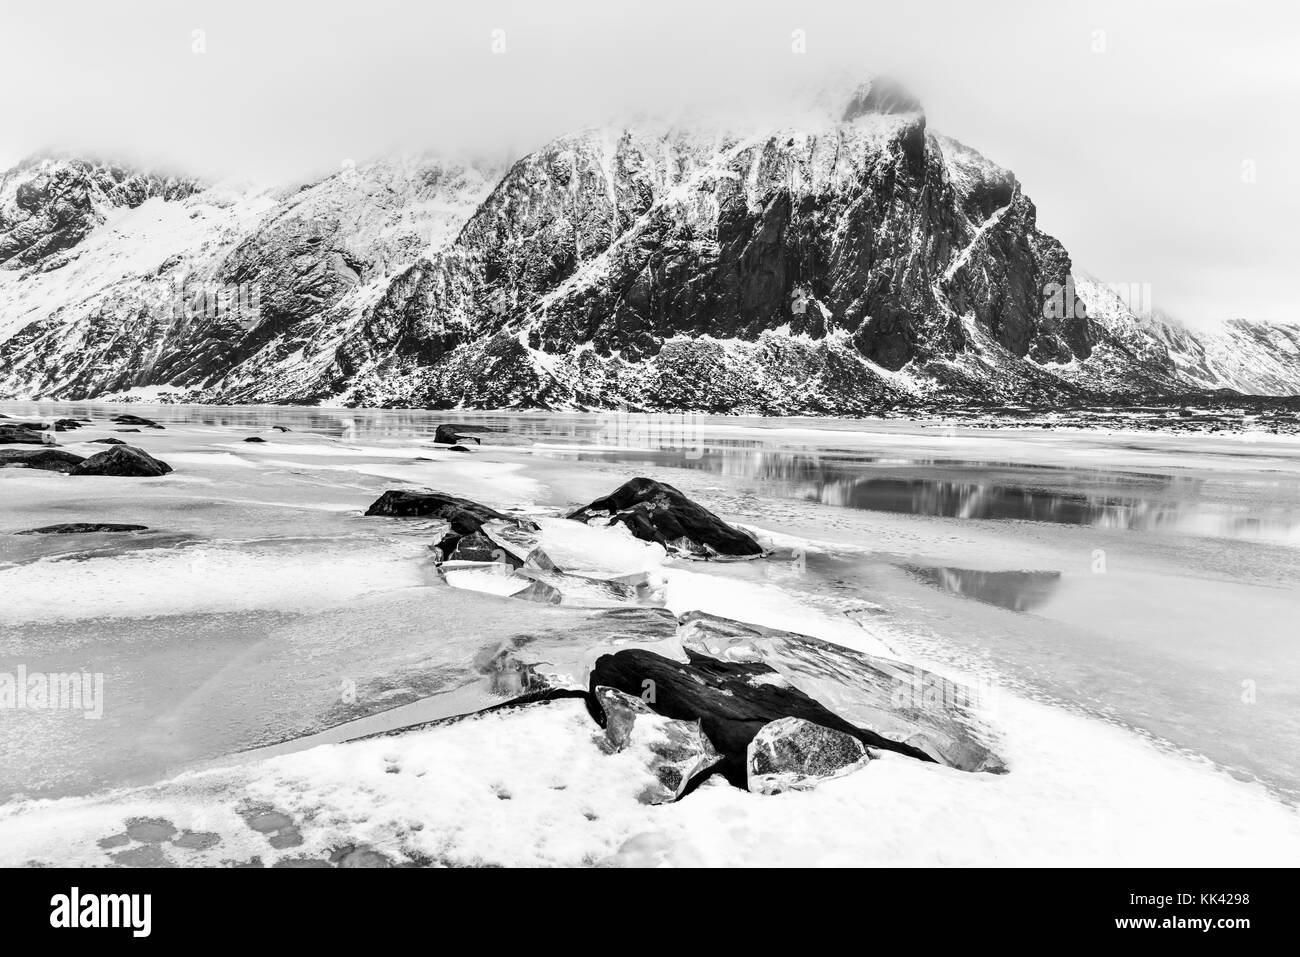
(1122, 599)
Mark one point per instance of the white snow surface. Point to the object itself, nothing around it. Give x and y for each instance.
(532, 787)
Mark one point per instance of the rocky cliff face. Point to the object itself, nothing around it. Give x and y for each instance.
(841, 265)
(50, 203)
(825, 268)
(223, 289)
(1152, 350)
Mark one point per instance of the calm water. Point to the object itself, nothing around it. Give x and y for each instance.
(1152, 580)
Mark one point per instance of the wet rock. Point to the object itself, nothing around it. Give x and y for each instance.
(511, 541)
(656, 512)
(282, 428)
(465, 516)
(900, 702)
(108, 441)
(254, 438)
(680, 751)
(488, 543)
(49, 460)
(458, 448)
(731, 700)
(474, 547)
(21, 435)
(477, 533)
(126, 430)
(83, 528)
(793, 754)
(128, 419)
(66, 425)
(451, 434)
(123, 460)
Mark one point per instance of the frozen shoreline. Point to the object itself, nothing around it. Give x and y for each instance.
(1081, 790)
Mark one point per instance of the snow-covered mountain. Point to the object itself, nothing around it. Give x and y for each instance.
(836, 264)
(199, 288)
(1256, 358)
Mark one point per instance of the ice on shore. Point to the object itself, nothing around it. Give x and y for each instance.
(210, 577)
(263, 609)
(531, 787)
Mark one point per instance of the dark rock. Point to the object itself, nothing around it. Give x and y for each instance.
(128, 419)
(65, 425)
(459, 448)
(282, 428)
(900, 702)
(20, 435)
(83, 528)
(108, 441)
(793, 754)
(731, 700)
(451, 434)
(488, 535)
(254, 438)
(512, 542)
(477, 546)
(655, 512)
(679, 749)
(50, 460)
(465, 516)
(126, 430)
(123, 460)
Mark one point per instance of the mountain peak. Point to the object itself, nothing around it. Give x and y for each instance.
(880, 95)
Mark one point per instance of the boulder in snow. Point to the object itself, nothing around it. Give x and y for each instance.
(123, 460)
(21, 434)
(656, 512)
(50, 460)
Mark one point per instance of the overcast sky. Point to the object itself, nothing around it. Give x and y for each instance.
(1159, 139)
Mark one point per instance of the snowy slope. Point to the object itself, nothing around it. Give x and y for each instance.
(146, 298)
(1256, 358)
(845, 262)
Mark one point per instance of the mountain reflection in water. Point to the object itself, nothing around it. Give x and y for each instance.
(1015, 590)
(975, 490)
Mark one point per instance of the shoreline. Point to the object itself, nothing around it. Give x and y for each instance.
(312, 786)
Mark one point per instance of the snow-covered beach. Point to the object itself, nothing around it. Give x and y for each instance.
(1124, 602)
